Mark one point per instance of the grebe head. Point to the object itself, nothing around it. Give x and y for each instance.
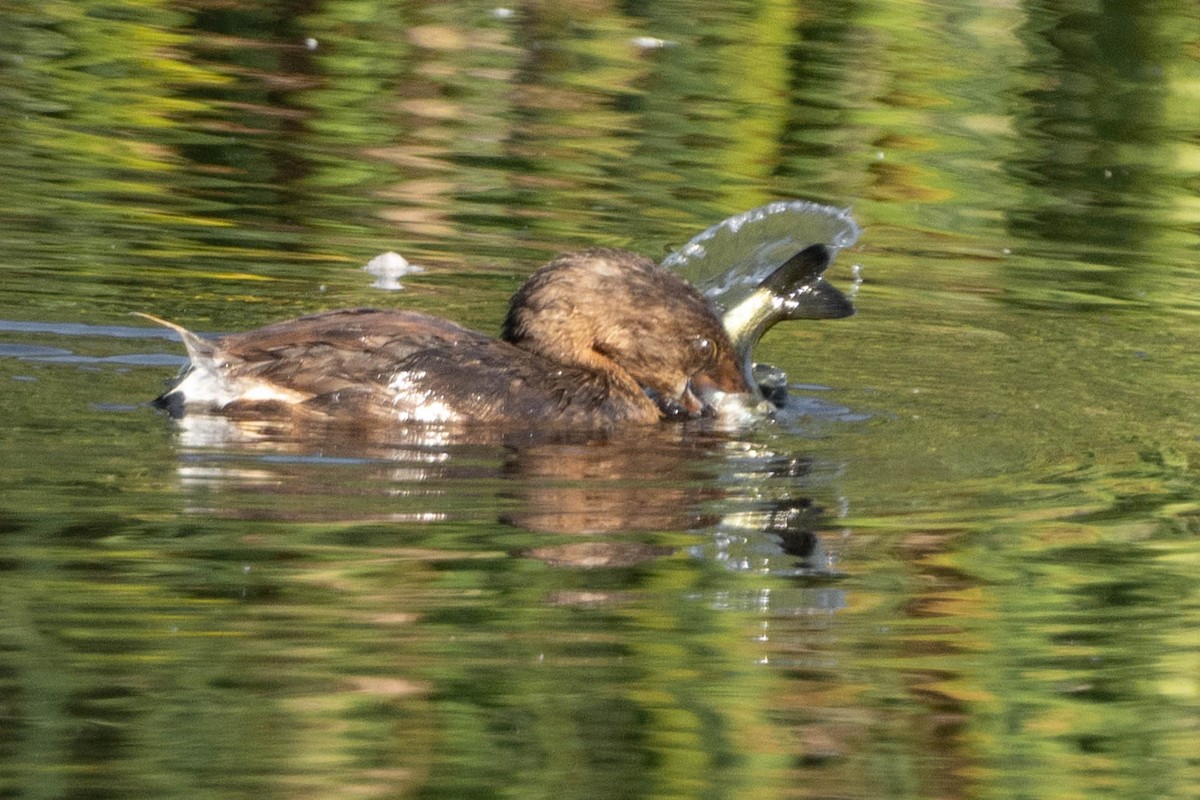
(648, 330)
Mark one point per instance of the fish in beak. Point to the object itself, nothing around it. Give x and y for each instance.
(794, 290)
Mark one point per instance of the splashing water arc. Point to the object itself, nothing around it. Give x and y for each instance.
(728, 260)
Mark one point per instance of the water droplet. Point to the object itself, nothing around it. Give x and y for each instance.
(389, 267)
(650, 43)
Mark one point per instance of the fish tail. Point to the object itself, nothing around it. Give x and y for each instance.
(805, 266)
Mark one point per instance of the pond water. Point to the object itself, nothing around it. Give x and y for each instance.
(963, 562)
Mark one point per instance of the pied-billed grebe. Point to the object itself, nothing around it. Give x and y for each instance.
(595, 339)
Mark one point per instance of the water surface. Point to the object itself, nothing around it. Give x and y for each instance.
(962, 563)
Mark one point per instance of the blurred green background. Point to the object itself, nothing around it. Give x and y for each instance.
(962, 564)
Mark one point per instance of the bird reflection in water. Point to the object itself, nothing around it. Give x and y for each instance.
(617, 495)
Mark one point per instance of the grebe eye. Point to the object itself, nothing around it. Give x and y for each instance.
(703, 349)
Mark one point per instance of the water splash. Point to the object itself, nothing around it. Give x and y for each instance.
(728, 260)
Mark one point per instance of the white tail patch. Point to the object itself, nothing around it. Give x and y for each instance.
(212, 381)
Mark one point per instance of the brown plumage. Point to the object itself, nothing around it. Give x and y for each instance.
(594, 339)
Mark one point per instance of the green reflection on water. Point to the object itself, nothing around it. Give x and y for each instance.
(1002, 598)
